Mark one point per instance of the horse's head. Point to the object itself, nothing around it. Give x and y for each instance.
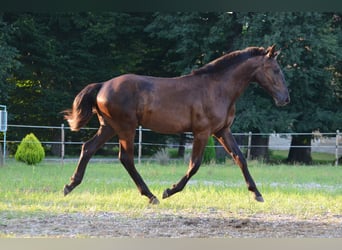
(271, 78)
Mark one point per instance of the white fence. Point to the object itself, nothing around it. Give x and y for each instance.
(3, 129)
(321, 142)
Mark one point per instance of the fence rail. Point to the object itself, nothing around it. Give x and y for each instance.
(322, 142)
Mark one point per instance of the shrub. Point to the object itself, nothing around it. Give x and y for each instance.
(30, 150)
(209, 155)
(162, 157)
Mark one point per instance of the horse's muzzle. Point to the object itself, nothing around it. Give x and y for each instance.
(282, 101)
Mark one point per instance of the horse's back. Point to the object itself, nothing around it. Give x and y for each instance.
(161, 104)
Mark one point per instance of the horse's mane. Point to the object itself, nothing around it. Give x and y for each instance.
(230, 59)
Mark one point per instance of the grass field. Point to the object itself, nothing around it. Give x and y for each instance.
(296, 190)
(317, 157)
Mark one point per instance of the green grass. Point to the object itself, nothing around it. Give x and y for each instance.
(295, 190)
(317, 157)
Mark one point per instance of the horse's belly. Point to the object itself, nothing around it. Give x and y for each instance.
(166, 123)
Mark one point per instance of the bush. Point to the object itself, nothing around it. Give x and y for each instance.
(162, 157)
(30, 150)
(209, 152)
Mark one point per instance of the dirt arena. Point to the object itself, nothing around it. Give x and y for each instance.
(151, 224)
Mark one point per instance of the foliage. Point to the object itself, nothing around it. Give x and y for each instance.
(209, 155)
(312, 53)
(310, 44)
(8, 62)
(162, 157)
(60, 53)
(182, 32)
(30, 150)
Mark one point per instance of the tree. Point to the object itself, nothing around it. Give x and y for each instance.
(62, 52)
(255, 109)
(8, 62)
(190, 40)
(311, 49)
(309, 43)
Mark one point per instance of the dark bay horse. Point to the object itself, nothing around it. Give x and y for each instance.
(202, 102)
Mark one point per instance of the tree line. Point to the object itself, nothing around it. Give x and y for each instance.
(47, 58)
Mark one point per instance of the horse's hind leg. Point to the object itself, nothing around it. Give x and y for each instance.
(88, 149)
(200, 141)
(126, 156)
(227, 140)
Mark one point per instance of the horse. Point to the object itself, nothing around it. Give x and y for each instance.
(201, 102)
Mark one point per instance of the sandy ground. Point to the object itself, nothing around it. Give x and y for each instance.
(212, 224)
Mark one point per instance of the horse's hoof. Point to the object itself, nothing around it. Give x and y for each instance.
(259, 198)
(166, 193)
(67, 190)
(154, 201)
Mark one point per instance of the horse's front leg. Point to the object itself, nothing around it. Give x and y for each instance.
(88, 149)
(200, 141)
(227, 140)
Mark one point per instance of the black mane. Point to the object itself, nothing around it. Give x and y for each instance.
(230, 59)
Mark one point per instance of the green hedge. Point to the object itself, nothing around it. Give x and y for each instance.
(209, 152)
(30, 150)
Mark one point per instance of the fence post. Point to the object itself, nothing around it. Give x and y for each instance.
(1, 157)
(3, 128)
(249, 145)
(140, 145)
(62, 144)
(336, 149)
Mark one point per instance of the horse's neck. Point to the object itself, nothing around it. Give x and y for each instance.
(236, 79)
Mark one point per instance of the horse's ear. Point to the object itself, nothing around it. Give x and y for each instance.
(270, 52)
(276, 54)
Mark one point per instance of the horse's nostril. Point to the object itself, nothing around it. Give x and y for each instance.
(287, 100)
(282, 101)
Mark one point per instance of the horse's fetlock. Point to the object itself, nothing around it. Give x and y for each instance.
(252, 189)
(75, 181)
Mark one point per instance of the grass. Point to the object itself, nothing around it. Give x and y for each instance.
(317, 157)
(296, 190)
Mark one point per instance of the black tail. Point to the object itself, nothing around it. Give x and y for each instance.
(83, 106)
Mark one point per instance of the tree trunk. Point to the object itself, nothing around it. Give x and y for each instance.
(300, 150)
(259, 149)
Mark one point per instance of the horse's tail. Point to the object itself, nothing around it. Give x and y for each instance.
(82, 107)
